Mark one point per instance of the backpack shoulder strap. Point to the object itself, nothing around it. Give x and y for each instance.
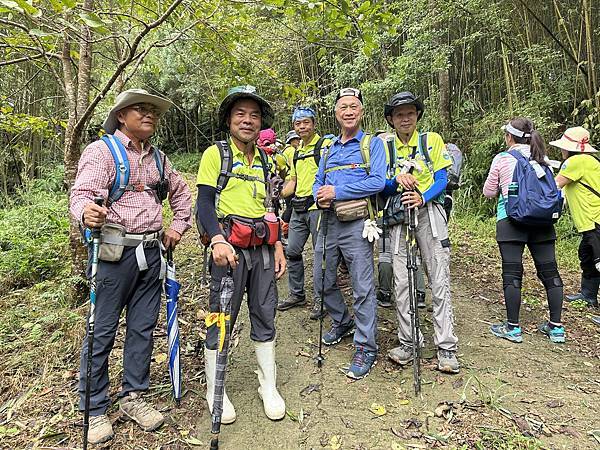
(264, 163)
(317, 150)
(391, 148)
(122, 168)
(589, 188)
(226, 166)
(160, 163)
(365, 150)
(295, 160)
(424, 150)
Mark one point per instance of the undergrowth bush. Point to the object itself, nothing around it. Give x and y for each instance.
(34, 228)
(186, 162)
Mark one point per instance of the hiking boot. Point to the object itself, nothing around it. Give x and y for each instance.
(420, 299)
(588, 292)
(502, 330)
(290, 302)
(336, 334)
(403, 354)
(100, 429)
(596, 320)
(315, 312)
(555, 334)
(361, 364)
(139, 411)
(447, 361)
(384, 300)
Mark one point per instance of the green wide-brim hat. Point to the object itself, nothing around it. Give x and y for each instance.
(245, 92)
(133, 97)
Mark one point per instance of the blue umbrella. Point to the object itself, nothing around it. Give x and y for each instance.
(172, 287)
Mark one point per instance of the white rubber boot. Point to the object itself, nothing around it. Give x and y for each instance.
(210, 363)
(267, 377)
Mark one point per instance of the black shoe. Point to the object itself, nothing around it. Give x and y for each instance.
(315, 312)
(384, 300)
(290, 302)
(420, 299)
(336, 334)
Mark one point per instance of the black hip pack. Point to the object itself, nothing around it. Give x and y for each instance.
(302, 204)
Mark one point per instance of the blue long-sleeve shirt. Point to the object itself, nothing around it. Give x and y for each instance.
(352, 183)
(440, 180)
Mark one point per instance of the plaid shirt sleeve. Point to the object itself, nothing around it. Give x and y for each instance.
(94, 174)
(180, 199)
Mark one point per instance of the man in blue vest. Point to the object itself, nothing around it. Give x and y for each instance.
(350, 172)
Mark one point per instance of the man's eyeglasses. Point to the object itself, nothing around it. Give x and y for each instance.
(147, 110)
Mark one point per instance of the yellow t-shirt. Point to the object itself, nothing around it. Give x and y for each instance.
(244, 198)
(439, 156)
(583, 204)
(306, 169)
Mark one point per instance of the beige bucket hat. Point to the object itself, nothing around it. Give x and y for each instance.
(132, 97)
(575, 140)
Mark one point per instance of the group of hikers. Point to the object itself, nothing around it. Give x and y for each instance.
(347, 192)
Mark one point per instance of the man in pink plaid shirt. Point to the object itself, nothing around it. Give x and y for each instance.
(131, 265)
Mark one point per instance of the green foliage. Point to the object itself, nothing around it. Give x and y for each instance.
(186, 162)
(34, 234)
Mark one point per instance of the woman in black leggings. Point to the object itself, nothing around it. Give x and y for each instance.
(521, 136)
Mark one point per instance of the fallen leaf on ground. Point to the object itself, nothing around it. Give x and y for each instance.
(335, 442)
(403, 402)
(377, 409)
(556, 403)
(310, 389)
(161, 358)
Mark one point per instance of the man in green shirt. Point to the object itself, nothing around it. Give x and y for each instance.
(579, 175)
(224, 212)
(305, 215)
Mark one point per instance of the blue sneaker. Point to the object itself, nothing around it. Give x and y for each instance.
(336, 334)
(361, 364)
(556, 334)
(596, 320)
(501, 330)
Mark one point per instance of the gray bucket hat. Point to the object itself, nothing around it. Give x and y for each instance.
(132, 97)
(240, 92)
(291, 136)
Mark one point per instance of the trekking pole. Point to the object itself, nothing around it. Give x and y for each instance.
(411, 266)
(323, 226)
(90, 328)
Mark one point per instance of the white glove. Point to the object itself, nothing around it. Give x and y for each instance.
(597, 264)
(371, 231)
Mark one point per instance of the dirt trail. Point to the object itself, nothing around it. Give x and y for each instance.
(507, 396)
(536, 383)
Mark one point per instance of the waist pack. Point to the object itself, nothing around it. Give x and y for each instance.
(302, 204)
(393, 214)
(243, 232)
(349, 210)
(114, 238)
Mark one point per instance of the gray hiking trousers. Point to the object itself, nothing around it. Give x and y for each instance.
(433, 242)
(301, 226)
(345, 239)
(121, 285)
(255, 275)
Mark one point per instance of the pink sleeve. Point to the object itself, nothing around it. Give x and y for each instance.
(180, 199)
(491, 186)
(94, 175)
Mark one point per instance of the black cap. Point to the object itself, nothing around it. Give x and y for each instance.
(403, 98)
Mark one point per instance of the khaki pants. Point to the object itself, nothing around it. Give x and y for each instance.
(435, 254)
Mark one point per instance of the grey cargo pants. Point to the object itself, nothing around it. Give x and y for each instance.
(301, 226)
(433, 242)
